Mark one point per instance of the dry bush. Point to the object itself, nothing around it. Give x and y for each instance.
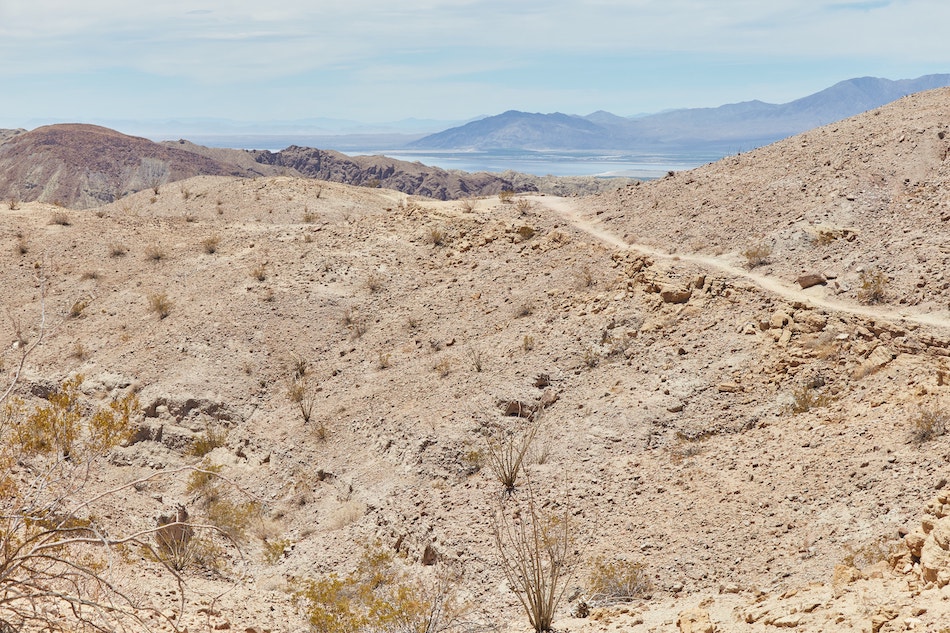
(155, 253)
(304, 396)
(22, 246)
(506, 195)
(13, 203)
(475, 356)
(757, 255)
(538, 555)
(210, 244)
(160, 304)
(211, 438)
(61, 567)
(259, 271)
(613, 581)
(375, 282)
(384, 361)
(505, 453)
(927, 425)
(382, 595)
(805, 398)
(76, 310)
(59, 217)
(272, 550)
(873, 286)
(527, 343)
(117, 250)
(89, 275)
(354, 322)
(443, 368)
(436, 236)
(309, 217)
(523, 206)
(876, 551)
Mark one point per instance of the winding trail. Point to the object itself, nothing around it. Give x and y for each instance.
(567, 209)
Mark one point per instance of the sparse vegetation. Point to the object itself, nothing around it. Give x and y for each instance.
(22, 246)
(443, 368)
(475, 356)
(523, 206)
(375, 282)
(506, 195)
(354, 322)
(210, 244)
(806, 397)
(13, 203)
(259, 271)
(505, 453)
(76, 310)
(928, 424)
(436, 236)
(613, 581)
(211, 438)
(757, 255)
(155, 253)
(380, 595)
(873, 287)
(537, 553)
(59, 217)
(160, 304)
(117, 250)
(303, 394)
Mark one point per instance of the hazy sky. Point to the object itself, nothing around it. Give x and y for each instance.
(384, 60)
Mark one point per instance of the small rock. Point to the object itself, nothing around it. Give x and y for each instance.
(727, 387)
(695, 621)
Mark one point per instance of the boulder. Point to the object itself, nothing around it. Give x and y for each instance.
(695, 621)
(675, 295)
(811, 279)
(935, 554)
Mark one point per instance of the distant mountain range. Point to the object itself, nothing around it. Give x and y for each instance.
(727, 129)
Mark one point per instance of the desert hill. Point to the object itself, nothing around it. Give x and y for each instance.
(755, 446)
(83, 166)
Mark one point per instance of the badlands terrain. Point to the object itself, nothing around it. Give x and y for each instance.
(772, 455)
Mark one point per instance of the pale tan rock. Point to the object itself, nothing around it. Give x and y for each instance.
(935, 554)
(695, 621)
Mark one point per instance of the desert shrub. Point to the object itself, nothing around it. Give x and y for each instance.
(475, 356)
(612, 581)
(505, 453)
(309, 217)
(527, 343)
(272, 550)
(757, 255)
(928, 424)
(436, 236)
(22, 246)
(537, 552)
(59, 217)
(117, 250)
(211, 438)
(210, 244)
(806, 397)
(873, 286)
(375, 282)
(381, 595)
(76, 310)
(506, 195)
(160, 304)
(523, 206)
(259, 271)
(384, 360)
(303, 395)
(58, 551)
(354, 322)
(155, 253)
(443, 368)
(13, 203)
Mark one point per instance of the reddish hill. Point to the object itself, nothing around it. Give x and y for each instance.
(84, 166)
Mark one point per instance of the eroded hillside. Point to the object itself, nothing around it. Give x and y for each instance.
(759, 455)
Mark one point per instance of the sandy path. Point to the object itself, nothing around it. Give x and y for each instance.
(567, 209)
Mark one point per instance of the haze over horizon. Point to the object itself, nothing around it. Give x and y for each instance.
(370, 61)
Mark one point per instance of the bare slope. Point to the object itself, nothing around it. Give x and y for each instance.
(867, 193)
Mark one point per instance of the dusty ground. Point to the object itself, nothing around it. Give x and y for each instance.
(672, 440)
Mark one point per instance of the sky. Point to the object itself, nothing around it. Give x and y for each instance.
(450, 60)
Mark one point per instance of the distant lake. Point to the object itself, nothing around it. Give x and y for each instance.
(539, 163)
(555, 163)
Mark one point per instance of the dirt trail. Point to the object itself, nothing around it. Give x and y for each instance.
(567, 209)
